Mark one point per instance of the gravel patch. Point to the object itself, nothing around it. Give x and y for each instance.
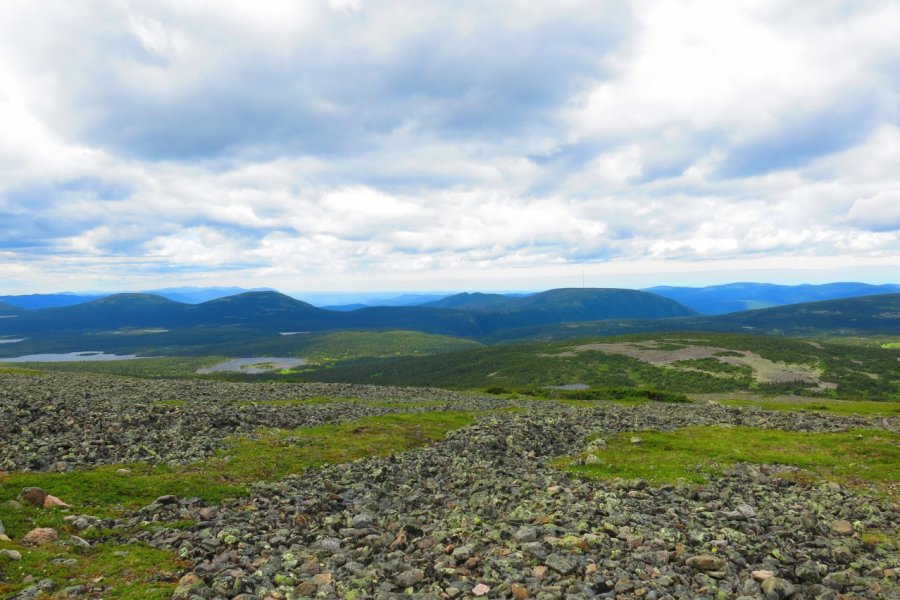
(478, 514)
(56, 422)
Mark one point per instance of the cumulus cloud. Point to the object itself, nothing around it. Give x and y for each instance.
(293, 143)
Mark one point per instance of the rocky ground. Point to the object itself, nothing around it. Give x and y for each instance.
(480, 513)
(61, 421)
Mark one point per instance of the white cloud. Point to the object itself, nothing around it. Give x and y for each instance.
(394, 140)
(878, 213)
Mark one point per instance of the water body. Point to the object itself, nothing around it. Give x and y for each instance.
(69, 357)
(260, 364)
(569, 386)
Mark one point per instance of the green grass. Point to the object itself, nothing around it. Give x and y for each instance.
(837, 407)
(269, 454)
(859, 457)
(130, 572)
(296, 401)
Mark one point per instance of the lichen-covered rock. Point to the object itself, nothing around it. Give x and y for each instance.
(480, 512)
(40, 536)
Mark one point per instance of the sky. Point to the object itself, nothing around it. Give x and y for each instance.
(411, 145)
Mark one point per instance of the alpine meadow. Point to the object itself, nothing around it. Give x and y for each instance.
(358, 299)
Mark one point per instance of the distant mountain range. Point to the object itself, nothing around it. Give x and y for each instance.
(186, 295)
(710, 300)
(734, 297)
(275, 312)
(863, 316)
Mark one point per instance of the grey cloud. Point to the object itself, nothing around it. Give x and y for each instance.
(469, 72)
(807, 136)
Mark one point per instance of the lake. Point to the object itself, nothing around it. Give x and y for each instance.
(261, 364)
(69, 357)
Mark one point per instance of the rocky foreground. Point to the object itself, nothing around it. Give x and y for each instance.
(480, 513)
(57, 422)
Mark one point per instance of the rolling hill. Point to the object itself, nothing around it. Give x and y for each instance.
(474, 301)
(274, 312)
(9, 309)
(565, 305)
(863, 316)
(735, 297)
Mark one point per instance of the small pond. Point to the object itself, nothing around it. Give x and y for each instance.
(260, 364)
(569, 386)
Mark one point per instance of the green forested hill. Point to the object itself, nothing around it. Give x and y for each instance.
(863, 316)
(682, 362)
(274, 312)
(734, 297)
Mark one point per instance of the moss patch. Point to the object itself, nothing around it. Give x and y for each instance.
(125, 572)
(860, 458)
(143, 572)
(269, 454)
(838, 407)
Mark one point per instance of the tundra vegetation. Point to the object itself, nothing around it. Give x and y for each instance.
(640, 466)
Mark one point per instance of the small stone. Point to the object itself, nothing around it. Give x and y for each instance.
(539, 571)
(362, 521)
(310, 567)
(535, 549)
(706, 562)
(480, 589)
(33, 495)
(40, 536)
(463, 553)
(411, 577)
(775, 588)
(54, 502)
(636, 440)
(167, 499)
(762, 575)
(79, 542)
(526, 534)
(592, 459)
(519, 592)
(186, 587)
(561, 564)
(74, 591)
(307, 588)
(11, 554)
(842, 527)
(328, 544)
(809, 571)
(746, 510)
(123, 471)
(842, 554)
(321, 579)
